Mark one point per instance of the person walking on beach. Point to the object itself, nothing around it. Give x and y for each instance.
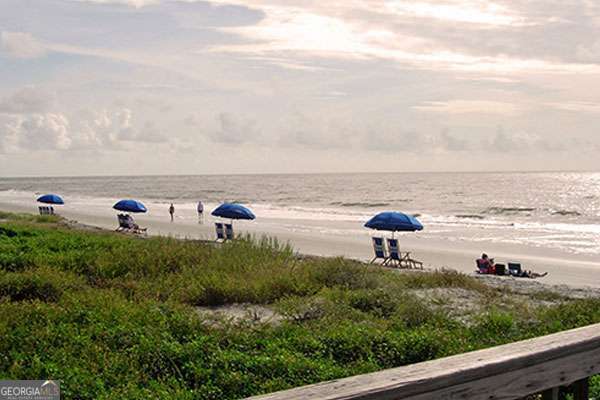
(200, 210)
(172, 211)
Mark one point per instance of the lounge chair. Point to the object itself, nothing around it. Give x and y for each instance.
(123, 223)
(514, 269)
(220, 231)
(500, 269)
(127, 224)
(400, 259)
(46, 210)
(379, 250)
(229, 231)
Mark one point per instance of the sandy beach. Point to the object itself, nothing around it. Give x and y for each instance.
(352, 241)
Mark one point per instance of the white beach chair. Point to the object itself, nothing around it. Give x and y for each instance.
(219, 231)
(229, 231)
(379, 250)
(400, 259)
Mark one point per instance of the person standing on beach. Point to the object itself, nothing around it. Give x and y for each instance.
(200, 210)
(172, 211)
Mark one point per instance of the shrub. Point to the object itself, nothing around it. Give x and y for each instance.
(111, 315)
(37, 284)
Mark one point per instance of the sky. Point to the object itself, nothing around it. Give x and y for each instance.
(128, 87)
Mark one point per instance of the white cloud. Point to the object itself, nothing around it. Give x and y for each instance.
(130, 3)
(233, 129)
(27, 100)
(469, 107)
(21, 45)
(515, 142)
(85, 130)
(576, 106)
(319, 30)
(43, 132)
(476, 12)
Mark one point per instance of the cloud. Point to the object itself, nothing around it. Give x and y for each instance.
(150, 133)
(43, 132)
(113, 129)
(476, 12)
(396, 140)
(515, 142)
(85, 130)
(468, 107)
(9, 126)
(233, 129)
(576, 106)
(130, 3)
(372, 30)
(27, 100)
(21, 45)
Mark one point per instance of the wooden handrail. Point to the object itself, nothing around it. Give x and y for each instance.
(510, 371)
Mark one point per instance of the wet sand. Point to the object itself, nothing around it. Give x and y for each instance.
(352, 242)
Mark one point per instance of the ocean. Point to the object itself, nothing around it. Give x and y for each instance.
(550, 210)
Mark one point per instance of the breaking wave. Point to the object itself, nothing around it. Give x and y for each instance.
(508, 210)
(360, 204)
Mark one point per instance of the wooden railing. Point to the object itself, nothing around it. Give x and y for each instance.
(511, 371)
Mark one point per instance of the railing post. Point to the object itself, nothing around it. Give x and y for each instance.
(582, 389)
(550, 394)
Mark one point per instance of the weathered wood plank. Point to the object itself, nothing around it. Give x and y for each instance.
(501, 373)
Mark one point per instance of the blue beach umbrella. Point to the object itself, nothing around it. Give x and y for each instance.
(233, 211)
(130, 205)
(51, 199)
(394, 221)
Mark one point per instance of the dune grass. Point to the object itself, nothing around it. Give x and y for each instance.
(114, 316)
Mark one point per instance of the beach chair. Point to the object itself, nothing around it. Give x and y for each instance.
(220, 232)
(123, 223)
(481, 269)
(46, 210)
(400, 259)
(229, 231)
(500, 269)
(132, 226)
(379, 250)
(514, 269)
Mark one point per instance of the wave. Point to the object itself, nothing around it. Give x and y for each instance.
(508, 210)
(359, 204)
(470, 216)
(566, 213)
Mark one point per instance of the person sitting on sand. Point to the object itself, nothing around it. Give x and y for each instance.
(532, 275)
(486, 264)
(131, 223)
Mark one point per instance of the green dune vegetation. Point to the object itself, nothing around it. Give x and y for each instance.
(115, 316)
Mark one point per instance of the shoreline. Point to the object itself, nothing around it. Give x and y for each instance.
(574, 271)
(520, 286)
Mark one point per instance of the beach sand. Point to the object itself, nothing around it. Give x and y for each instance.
(351, 242)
